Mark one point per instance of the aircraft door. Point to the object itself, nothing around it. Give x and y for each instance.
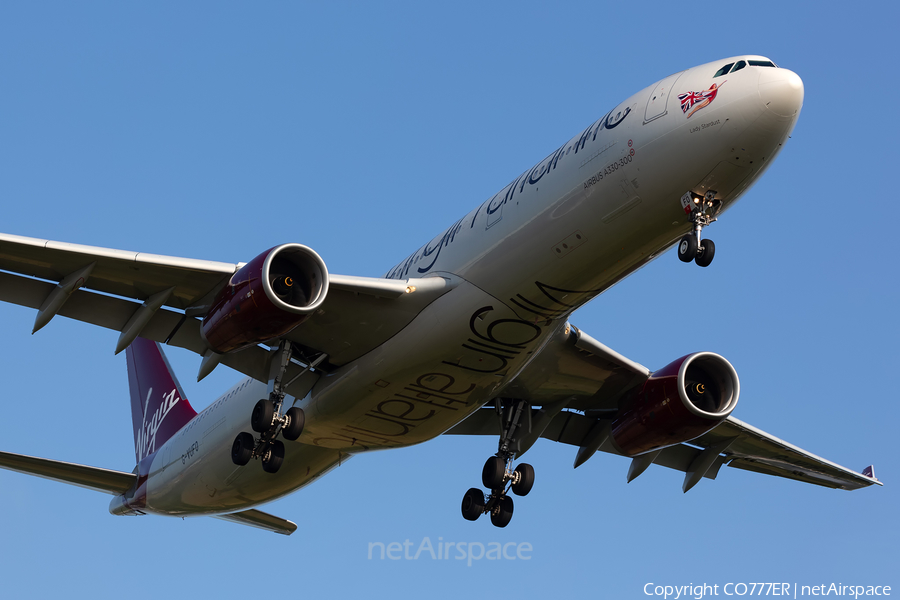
(656, 104)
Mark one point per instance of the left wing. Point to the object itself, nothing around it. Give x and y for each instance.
(163, 298)
(578, 382)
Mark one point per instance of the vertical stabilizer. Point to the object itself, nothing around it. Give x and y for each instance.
(158, 406)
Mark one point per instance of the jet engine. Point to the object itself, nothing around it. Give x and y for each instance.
(268, 297)
(680, 402)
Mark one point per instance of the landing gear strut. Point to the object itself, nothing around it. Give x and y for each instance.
(692, 247)
(268, 420)
(497, 474)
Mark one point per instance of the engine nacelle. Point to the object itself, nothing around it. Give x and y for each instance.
(266, 298)
(680, 402)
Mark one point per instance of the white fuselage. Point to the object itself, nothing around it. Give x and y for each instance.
(596, 209)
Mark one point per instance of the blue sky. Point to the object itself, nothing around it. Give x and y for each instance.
(217, 130)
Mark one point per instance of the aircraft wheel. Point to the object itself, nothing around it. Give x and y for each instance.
(493, 472)
(296, 420)
(262, 416)
(526, 480)
(274, 457)
(706, 254)
(473, 504)
(687, 248)
(502, 517)
(242, 449)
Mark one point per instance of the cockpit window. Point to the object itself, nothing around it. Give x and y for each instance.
(740, 65)
(723, 70)
(761, 63)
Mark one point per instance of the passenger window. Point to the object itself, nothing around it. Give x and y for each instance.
(723, 70)
(740, 65)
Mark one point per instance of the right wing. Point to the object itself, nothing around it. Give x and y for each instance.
(107, 287)
(756, 450)
(733, 443)
(577, 382)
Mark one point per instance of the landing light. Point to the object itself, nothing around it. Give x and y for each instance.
(410, 289)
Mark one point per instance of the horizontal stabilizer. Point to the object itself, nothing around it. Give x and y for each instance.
(92, 478)
(261, 520)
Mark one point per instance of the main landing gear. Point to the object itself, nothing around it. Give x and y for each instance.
(497, 475)
(268, 421)
(692, 247)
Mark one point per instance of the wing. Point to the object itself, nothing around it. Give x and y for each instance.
(577, 369)
(578, 382)
(163, 298)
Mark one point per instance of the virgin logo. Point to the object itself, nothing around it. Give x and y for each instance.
(145, 444)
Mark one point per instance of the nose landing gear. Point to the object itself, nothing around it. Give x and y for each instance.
(268, 420)
(692, 247)
(498, 476)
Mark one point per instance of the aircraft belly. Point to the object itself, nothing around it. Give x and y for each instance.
(446, 364)
(199, 478)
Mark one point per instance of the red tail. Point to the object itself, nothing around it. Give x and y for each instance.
(158, 406)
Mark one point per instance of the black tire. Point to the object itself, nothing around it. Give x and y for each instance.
(296, 420)
(687, 248)
(493, 472)
(706, 254)
(473, 504)
(242, 449)
(526, 480)
(274, 457)
(503, 512)
(262, 416)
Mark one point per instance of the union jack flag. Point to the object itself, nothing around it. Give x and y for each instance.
(705, 98)
(690, 99)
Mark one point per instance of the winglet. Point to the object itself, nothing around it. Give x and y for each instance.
(870, 473)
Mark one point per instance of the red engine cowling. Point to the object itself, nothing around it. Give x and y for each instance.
(266, 298)
(678, 403)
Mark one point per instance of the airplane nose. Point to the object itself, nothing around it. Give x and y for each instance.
(781, 91)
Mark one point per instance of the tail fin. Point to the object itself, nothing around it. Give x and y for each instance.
(158, 406)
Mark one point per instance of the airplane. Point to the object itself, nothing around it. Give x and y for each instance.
(468, 335)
